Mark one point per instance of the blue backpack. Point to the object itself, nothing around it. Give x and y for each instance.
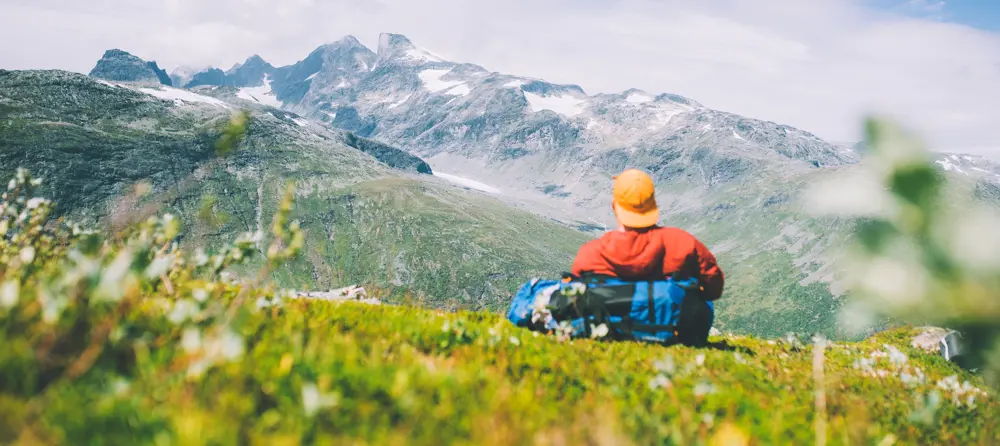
(609, 308)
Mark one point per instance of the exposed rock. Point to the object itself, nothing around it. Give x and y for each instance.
(929, 339)
(118, 65)
(351, 293)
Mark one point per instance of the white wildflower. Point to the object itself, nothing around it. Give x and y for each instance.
(565, 330)
(200, 294)
(27, 254)
(666, 365)
(739, 358)
(897, 357)
(159, 266)
(191, 340)
(197, 368)
(200, 258)
(514, 340)
(119, 386)
(9, 293)
(313, 400)
(11, 185)
(36, 202)
(232, 345)
(183, 309)
(700, 359)
(112, 285)
(703, 388)
(660, 382)
(574, 289)
(599, 331)
(707, 419)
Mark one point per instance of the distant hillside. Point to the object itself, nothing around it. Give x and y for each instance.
(365, 221)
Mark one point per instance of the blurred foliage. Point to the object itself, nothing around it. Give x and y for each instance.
(922, 255)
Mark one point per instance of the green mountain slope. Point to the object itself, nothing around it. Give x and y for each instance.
(364, 221)
(129, 338)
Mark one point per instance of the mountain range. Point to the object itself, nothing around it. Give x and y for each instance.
(535, 157)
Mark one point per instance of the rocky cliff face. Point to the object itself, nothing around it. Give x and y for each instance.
(118, 65)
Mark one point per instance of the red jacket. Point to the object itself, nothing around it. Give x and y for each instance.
(651, 254)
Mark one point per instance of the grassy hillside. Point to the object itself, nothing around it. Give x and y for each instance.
(137, 338)
(364, 222)
(323, 373)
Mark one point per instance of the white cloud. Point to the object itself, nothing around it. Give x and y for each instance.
(819, 65)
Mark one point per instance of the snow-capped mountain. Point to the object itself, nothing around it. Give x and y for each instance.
(545, 143)
(552, 148)
(969, 165)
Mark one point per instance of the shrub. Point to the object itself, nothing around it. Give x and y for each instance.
(925, 251)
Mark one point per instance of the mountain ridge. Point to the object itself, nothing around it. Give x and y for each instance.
(551, 149)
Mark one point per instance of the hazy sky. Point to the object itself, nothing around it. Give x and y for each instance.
(820, 65)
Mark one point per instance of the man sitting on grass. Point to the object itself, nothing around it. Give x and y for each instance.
(640, 250)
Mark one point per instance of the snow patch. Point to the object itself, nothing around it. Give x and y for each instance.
(261, 95)
(948, 166)
(514, 84)
(422, 54)
(363, 62)
(432, 80)
(981, 170)
(737, 136)
(332, 116)
(342, 84)
(461, 90)
(465, 182)
(106, 83)
(665, 114)
(311, 76)
(181, 96)
(968, 158)
(301, 122)
(638, 98)
(562, 104)
(401, 102)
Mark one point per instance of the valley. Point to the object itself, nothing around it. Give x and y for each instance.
(444, 182)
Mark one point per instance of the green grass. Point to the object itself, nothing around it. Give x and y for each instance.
(401, 375)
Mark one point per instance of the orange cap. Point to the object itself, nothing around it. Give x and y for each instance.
(635, 199)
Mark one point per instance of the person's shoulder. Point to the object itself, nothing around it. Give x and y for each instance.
(672, 232)
(675, 235)
(594, 244)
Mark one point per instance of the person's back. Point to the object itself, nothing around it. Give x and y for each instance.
(640, 250)
(653, 253)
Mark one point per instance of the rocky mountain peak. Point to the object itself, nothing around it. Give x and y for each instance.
(388, 42)
(348, 42)
(255, 61)
(398, 49)
(122, 66)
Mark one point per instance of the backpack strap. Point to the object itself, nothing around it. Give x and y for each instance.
(652, 302)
